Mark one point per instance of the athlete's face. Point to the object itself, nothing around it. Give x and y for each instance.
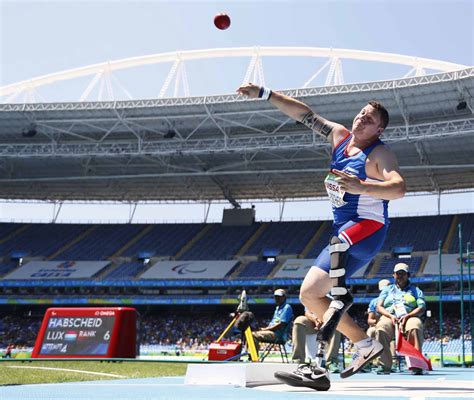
(367, 124)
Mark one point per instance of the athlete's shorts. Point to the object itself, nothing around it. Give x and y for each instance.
(365, 238)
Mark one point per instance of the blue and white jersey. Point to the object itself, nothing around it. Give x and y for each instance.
(347, 206)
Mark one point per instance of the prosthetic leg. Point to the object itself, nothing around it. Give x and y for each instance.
(315, 375)
(341, 298)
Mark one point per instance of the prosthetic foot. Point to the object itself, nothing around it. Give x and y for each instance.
(315, 375)
(306, 375)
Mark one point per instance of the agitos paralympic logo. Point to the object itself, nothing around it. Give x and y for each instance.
(66, 264)
(183, 269)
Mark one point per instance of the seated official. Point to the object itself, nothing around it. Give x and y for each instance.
(309, 324)
(400, 304)
(372, 315)
(277, 329)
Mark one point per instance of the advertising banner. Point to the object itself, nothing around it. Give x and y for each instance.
(57, 270)
(189, 270)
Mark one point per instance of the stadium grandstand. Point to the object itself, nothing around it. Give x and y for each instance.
(185, 278)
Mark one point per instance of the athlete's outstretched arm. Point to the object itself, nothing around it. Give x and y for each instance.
(299, 111)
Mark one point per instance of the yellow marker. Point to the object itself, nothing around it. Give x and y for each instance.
(227, 329)
(251, 345)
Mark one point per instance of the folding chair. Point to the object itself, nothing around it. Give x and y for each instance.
(268, 348)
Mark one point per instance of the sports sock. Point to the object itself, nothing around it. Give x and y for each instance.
(364, 343)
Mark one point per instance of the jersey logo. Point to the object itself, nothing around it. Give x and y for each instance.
(350, 170)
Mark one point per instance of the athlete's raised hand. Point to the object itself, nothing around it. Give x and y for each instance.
(249, 90)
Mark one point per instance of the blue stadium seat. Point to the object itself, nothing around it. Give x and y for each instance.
(288, 237)
(257, 269)
(164, 239)
(126, 271)
(321, 243)
(42, 239)
(7, 228)
(220, 242)
(422, 233)
(387, 264)
(101, 243)
(467, 231)
(6, 268)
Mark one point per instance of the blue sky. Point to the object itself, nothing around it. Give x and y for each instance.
(42, 37)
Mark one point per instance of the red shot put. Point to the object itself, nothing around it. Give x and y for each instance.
(222, 21)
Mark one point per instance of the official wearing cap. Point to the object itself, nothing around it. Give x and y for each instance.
(399, 304)
(278, 328)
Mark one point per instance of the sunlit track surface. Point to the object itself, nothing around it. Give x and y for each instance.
(452, 383)
(443, 384)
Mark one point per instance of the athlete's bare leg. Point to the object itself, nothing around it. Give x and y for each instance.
(315, 287)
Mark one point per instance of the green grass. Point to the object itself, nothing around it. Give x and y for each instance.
(23, 376)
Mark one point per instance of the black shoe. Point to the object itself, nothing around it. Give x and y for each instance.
(416, 371)
(306, 376)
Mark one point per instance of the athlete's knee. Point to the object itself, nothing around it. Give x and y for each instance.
(302, 296)
(307, 297)
(316, 285)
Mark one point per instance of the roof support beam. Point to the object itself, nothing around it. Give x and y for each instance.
(452, 167)
(236, 143)
(225, 191)
(57, 205)
(425, 161)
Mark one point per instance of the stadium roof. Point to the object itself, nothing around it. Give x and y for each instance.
(227, 147)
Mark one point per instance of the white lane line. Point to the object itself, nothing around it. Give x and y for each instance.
(81, 384)
(72, 370)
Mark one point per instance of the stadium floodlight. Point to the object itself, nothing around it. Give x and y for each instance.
(170, 134)
(30, 131)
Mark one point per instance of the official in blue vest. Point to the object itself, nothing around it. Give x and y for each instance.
(400, 304)
(278, 328)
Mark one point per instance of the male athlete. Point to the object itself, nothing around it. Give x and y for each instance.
(364, 176)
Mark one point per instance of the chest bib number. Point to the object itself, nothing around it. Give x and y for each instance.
(335, 193)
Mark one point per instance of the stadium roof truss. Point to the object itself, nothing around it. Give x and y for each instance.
(228, 147)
